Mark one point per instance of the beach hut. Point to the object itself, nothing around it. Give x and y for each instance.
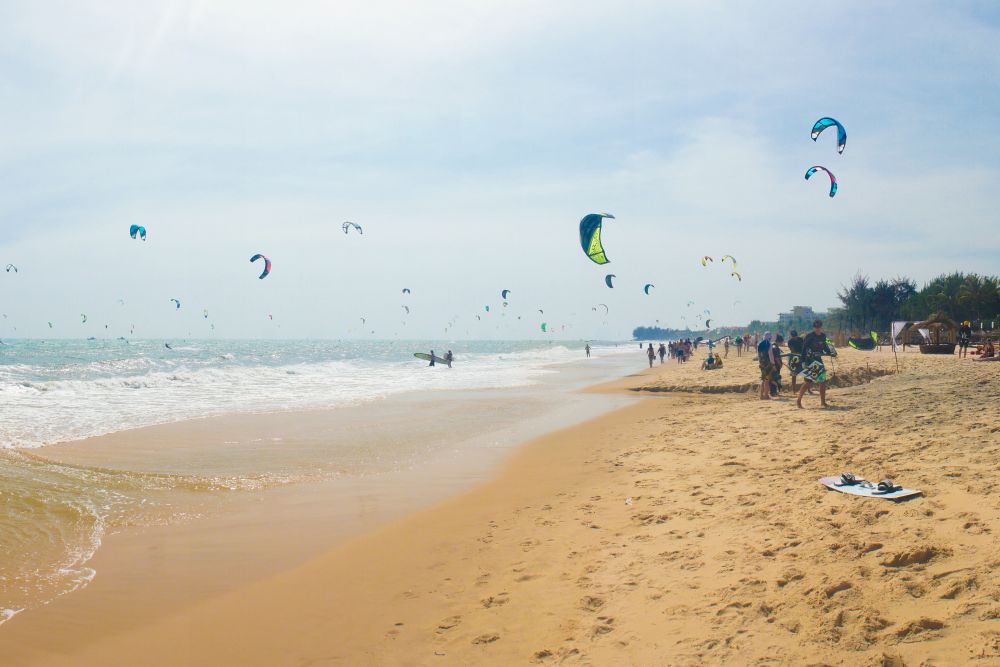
(942, 333)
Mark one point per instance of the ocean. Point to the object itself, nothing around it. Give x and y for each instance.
(54, 514)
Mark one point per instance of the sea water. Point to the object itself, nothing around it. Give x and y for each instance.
(53, 515)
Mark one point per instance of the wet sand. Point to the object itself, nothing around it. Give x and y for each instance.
(684, 529)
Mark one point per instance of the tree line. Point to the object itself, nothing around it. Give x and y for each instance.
(867, 306)
(872, 306)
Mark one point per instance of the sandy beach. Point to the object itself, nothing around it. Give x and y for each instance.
(687, 528)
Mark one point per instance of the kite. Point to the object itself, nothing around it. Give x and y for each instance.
(730, 258)
(178, 304)
(406, 290)
(504, 293)
(407, 308)
(833, 179)
(270, 316)
(487, 309)
(50, 325)
(690, 303)
(736, 302)
(347, 227)
(121, 301)
(137, 229)
(866, 344)
(544, 326)
(646, 288)
(479, 318)
(826, 122)
(708, 324)
(541, 311)
(267, 265)
(737, 275)
(590, 236)
(11, 266)
(83, 318)
(607, 280)
(363, 320)
(204, 313)
(605, 306)
(705, 260)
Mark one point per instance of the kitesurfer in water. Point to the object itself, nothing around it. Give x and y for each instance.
(814, 346)
(432, 358)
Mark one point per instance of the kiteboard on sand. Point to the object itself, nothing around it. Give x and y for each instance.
(427, 357)
(868, 490)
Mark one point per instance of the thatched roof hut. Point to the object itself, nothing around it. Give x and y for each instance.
(943, 333)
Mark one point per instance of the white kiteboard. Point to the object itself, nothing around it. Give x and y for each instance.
(833, 483)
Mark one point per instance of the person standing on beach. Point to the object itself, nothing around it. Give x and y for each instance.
(964, 338)
(662, 351)
(776, 356)
(651, 354)
(725, 347)
(587, 348)
(739, 346)
(764, 352)
(795, 361)
(814, 346)
(449, 358)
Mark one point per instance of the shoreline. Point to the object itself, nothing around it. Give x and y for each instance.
(549, 561)
(282, 518)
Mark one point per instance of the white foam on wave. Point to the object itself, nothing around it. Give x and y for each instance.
(7, 613)
(115, 395)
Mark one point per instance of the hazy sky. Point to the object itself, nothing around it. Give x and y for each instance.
(468, 139)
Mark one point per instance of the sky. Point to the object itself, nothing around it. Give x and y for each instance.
(468, 139)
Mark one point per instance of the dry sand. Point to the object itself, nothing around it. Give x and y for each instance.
(686, 529)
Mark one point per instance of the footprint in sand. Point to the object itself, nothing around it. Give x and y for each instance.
(487, 638)
(447, 624)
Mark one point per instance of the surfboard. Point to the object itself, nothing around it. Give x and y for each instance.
(427, 357)
(858, 490)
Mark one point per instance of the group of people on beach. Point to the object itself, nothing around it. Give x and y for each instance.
(985, 350)
(680, 350)
(804, 358)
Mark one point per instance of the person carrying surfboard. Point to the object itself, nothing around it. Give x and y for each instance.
(814, 347)
(432, 358)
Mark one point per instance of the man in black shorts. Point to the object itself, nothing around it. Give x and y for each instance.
(964, 338)
(795, 361)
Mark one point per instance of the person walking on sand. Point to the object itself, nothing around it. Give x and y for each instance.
(725, 347)
(814, 346)
(651, 354)
(587, 348)
(764, 358)
(662, 351)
